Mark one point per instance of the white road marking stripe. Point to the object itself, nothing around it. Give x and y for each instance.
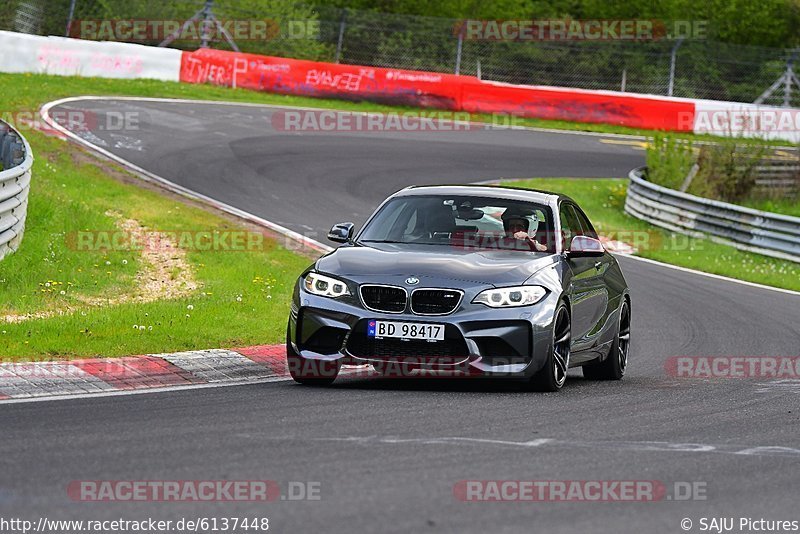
(125, 392)
(639, 446)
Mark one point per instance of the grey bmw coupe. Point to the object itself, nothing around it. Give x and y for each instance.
(464, 280)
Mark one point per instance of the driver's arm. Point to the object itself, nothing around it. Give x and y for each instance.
(531, 241)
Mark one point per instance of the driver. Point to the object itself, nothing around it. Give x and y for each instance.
(516, 226)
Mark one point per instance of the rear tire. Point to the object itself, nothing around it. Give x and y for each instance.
(307, 371)
(554, 373)
(613, 367)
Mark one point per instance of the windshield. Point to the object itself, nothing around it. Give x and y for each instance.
(463, 221)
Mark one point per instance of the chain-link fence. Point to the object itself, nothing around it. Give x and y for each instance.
(687, 68)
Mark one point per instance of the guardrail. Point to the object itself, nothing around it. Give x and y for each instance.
(757, 231)
(16, 159)
(778, 175)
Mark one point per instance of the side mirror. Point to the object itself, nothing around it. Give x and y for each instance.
(341, 232)
(584, 246)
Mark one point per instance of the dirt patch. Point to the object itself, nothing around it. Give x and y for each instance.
(81, 156)
(164, 274)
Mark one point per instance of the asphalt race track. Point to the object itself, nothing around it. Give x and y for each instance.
(387, 453)
(308, 180)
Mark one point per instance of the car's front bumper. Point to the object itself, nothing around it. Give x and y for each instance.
(478, 340)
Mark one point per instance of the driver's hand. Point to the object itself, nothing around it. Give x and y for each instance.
(521, 235)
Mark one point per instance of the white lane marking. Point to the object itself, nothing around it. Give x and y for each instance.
(556, 131)
(278, 228)
(640, 446)
(335, 110)
(172, 186)
(779, 386)
(348, 370)
(125, 392)
(711, 275)
(127, 142)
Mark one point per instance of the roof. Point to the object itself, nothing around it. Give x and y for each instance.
(496, 191)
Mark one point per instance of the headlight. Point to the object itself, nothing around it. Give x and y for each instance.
(325, 286)
(510, 297)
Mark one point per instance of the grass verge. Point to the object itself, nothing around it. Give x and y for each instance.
(604, 199)
(58, 300)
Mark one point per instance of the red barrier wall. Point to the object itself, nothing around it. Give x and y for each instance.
(431, 90)
(576, 105)
(299, 77)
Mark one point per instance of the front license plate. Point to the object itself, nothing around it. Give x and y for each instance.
(424, 331)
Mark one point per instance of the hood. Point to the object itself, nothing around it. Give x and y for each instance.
(492, 267)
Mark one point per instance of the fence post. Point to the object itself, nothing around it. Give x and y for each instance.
(204, 38)
(673, 55)
(342, 24)
(69, 17)
(459, 47)
(787, 85)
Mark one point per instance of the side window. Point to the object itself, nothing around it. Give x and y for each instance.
(588, 229)
(570, 227)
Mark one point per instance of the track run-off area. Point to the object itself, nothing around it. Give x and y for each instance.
(389, 455)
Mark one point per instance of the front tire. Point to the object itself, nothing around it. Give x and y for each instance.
(307, 371)
(554, 373)
(613, 367)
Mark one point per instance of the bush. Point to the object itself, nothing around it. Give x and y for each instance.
(727, 170)
(669, 160)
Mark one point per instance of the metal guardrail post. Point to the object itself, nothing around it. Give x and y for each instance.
(15, 179)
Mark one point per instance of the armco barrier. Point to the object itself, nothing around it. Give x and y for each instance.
(15, 179)
(20, 52)
(766, 233)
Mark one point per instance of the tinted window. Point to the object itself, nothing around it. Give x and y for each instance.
(454, 220)
(586, 226)
(570, 227)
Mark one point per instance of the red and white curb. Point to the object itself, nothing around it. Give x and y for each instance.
(64, 379)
